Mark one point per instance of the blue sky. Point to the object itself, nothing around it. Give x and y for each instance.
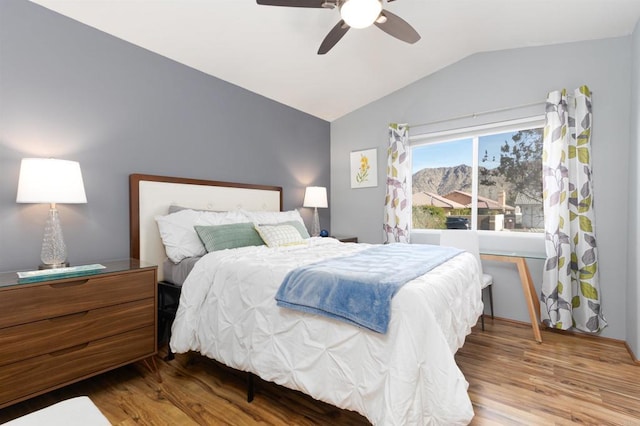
(454, 153)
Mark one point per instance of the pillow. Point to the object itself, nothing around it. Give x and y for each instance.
(178, 236)
(181, 240)
(221, 218)
(173, 208)
(302, 230)
(235, 235)
(264, 217)
(279, 235)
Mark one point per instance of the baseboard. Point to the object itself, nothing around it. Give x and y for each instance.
(633, 356)
(509, 320)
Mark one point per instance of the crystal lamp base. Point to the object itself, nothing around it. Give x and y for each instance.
(53, 265)
(54, 250)
(315, 226)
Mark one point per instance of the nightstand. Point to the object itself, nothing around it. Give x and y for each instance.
(56, 332)
(345, 239)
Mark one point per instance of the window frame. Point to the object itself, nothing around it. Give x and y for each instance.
(474, 133)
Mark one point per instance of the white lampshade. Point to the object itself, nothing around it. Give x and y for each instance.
(315, 196)
(360, 13)
(47, 180)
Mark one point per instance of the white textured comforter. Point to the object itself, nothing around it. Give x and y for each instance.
(407, 376)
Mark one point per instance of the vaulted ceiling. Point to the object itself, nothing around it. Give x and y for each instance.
(272, 50)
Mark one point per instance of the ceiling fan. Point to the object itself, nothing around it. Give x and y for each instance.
(354, 14)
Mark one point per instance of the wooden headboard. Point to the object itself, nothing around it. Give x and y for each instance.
(150, 196)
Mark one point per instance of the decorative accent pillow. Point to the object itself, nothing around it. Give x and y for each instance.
(235, 235)
(279, 235)
(302, 230)
(180, 239)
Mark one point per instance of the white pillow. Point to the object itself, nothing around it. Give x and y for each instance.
(179, 236)
(279, 235)
(221, 218)
(267, 217)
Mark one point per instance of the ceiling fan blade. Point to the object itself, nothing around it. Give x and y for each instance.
(333, 37)
(292, 3)
(397, 27)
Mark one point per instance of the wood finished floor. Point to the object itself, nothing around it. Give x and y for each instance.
(513, 380)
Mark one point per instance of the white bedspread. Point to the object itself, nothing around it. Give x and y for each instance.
(407, 376)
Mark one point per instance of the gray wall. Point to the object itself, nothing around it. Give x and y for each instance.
(490, 81)
(69, 91)
(633, 292)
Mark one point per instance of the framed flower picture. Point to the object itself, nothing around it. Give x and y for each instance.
(364, 168)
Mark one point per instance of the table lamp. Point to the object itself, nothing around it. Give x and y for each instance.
(48, 180)
(315, 196)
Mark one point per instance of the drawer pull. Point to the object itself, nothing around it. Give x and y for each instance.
(69, 284)
(66, 317)
(69, 350)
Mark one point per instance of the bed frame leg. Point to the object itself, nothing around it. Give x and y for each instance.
(170, 355)
(250, 387)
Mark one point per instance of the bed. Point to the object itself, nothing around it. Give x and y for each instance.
(228, 312)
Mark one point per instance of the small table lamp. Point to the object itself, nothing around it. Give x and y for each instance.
(47, 180)
(315, 196)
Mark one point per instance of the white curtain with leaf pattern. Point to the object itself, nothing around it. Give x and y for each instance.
(397, 203)
(570, 290)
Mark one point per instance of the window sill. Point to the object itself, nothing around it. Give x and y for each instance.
(532, 242)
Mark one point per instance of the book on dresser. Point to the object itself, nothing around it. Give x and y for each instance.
(64, 329)
(57, 273)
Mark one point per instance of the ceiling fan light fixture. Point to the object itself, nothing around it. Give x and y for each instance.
(360, 13)
(381, 19)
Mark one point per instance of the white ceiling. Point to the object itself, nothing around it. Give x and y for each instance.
(272, 50)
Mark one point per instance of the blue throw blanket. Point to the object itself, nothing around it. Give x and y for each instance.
(358, 288)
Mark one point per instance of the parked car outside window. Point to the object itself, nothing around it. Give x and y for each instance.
(457, 222)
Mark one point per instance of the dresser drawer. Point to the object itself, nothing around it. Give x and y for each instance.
(22, 304)
(41, 337)
(42, 373)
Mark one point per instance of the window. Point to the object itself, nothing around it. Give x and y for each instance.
(487, 178)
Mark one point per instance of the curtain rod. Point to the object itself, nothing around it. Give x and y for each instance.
(477, 114)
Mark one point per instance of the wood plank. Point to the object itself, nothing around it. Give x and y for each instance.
(513, 380)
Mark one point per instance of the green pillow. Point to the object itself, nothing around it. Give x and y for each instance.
(234, 235)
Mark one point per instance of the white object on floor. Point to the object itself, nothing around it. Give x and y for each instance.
(79, 411)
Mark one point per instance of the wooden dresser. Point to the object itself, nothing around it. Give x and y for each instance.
(53, 333)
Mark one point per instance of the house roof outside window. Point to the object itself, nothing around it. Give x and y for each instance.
(458, 200)
(431, 199)
(483, 202)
